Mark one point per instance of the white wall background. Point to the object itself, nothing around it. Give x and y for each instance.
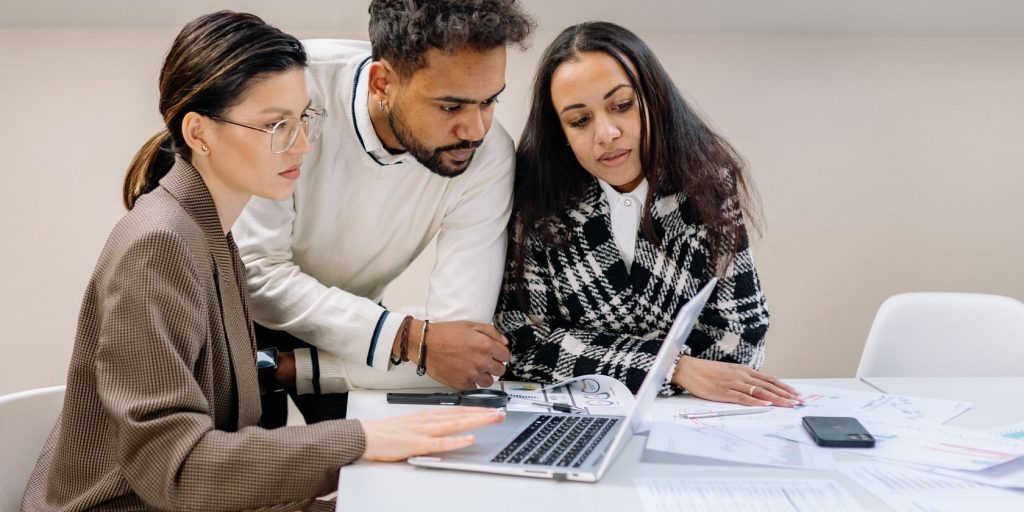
(885, 162)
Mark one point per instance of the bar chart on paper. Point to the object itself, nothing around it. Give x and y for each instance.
(1015, 431)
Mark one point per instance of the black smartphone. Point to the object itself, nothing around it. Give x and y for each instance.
(838, 432)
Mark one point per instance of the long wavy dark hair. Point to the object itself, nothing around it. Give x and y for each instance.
(679, 152)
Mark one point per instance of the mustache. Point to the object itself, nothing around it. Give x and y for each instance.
(466, 144)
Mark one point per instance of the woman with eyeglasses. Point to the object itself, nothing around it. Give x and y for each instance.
(626, 204)
(163, 398)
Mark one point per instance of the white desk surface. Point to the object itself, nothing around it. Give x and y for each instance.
(997, 400)
(401, 487)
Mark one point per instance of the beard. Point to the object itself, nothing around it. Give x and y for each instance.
(432, 159)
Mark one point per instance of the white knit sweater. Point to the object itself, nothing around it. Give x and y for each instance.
(318, 262)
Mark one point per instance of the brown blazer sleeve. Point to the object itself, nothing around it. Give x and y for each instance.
(155, 329)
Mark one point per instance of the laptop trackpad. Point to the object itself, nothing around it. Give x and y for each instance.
(492, 438)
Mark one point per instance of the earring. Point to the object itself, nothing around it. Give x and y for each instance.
(380, 105)
(205, 149)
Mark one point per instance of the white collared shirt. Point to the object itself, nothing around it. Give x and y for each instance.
(625, 211)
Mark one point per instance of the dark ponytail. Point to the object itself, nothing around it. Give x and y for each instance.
(208, 69)
(151, 163)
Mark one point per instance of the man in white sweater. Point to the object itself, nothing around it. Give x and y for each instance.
(409, 152)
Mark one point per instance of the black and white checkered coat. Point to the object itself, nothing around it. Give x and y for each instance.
(587, 314)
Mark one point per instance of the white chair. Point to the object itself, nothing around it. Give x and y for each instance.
(26, 419)
(945, 335)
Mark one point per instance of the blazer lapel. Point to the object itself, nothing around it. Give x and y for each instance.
(236, 357)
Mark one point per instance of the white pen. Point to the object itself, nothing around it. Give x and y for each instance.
(690, 415)
(556, 406)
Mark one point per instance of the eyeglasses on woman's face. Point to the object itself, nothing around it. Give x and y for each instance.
(285, 132)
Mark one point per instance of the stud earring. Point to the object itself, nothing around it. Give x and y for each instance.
(205, 149)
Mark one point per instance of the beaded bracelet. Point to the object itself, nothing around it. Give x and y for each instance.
(421, 370)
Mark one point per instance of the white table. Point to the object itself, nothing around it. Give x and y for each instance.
(401, 487)
(997, 400)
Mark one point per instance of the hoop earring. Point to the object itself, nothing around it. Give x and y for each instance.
(380, 105)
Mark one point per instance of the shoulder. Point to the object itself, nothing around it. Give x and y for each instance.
(335, 52)
(578, 210)
(675, 208)
(156, 237)
(331, 67)
(587, 205)
(566, 225)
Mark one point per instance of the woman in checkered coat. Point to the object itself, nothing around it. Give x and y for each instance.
(626, 204)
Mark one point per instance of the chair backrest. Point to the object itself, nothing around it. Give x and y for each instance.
(26, 419)
(945, 335)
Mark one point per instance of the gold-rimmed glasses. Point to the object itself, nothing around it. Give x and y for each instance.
(285, 132)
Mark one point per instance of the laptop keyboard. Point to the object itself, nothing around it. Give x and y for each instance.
(557, 440)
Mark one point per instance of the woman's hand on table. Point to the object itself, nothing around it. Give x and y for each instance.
(733, 383)
(425, 432)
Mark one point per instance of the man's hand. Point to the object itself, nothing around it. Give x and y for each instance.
(461, 355)
(730, 382)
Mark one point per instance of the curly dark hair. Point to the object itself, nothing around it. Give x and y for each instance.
(401, 31)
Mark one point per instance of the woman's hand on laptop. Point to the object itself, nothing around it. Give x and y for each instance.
(424, 432)
(733, 383)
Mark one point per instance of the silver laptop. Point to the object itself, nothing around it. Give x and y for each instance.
(569, 446)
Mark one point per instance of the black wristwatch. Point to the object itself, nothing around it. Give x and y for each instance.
(266, 368)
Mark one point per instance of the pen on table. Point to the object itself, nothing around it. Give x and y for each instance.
(557, 406)
(714, 413)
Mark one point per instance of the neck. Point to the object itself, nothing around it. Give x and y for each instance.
(229, 202)
(379, 121)
(625, 188)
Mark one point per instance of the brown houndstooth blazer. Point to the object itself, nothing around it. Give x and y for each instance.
(162, 396)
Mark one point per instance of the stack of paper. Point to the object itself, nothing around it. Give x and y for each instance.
(913, 447)
(756, 439)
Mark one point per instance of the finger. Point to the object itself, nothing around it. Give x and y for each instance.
(489, 331)
(444, 444)
(460, 424)
(496, 368)
(770, 391)
(739, 397)
(484, 381)
(444, 421)
(766, 394)
(430, 416)
(500, 353)
(793, 393)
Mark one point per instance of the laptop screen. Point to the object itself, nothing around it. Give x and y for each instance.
(671, 348)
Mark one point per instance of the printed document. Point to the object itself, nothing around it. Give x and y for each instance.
(595, 394)
(744, 495)
(909, 490)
